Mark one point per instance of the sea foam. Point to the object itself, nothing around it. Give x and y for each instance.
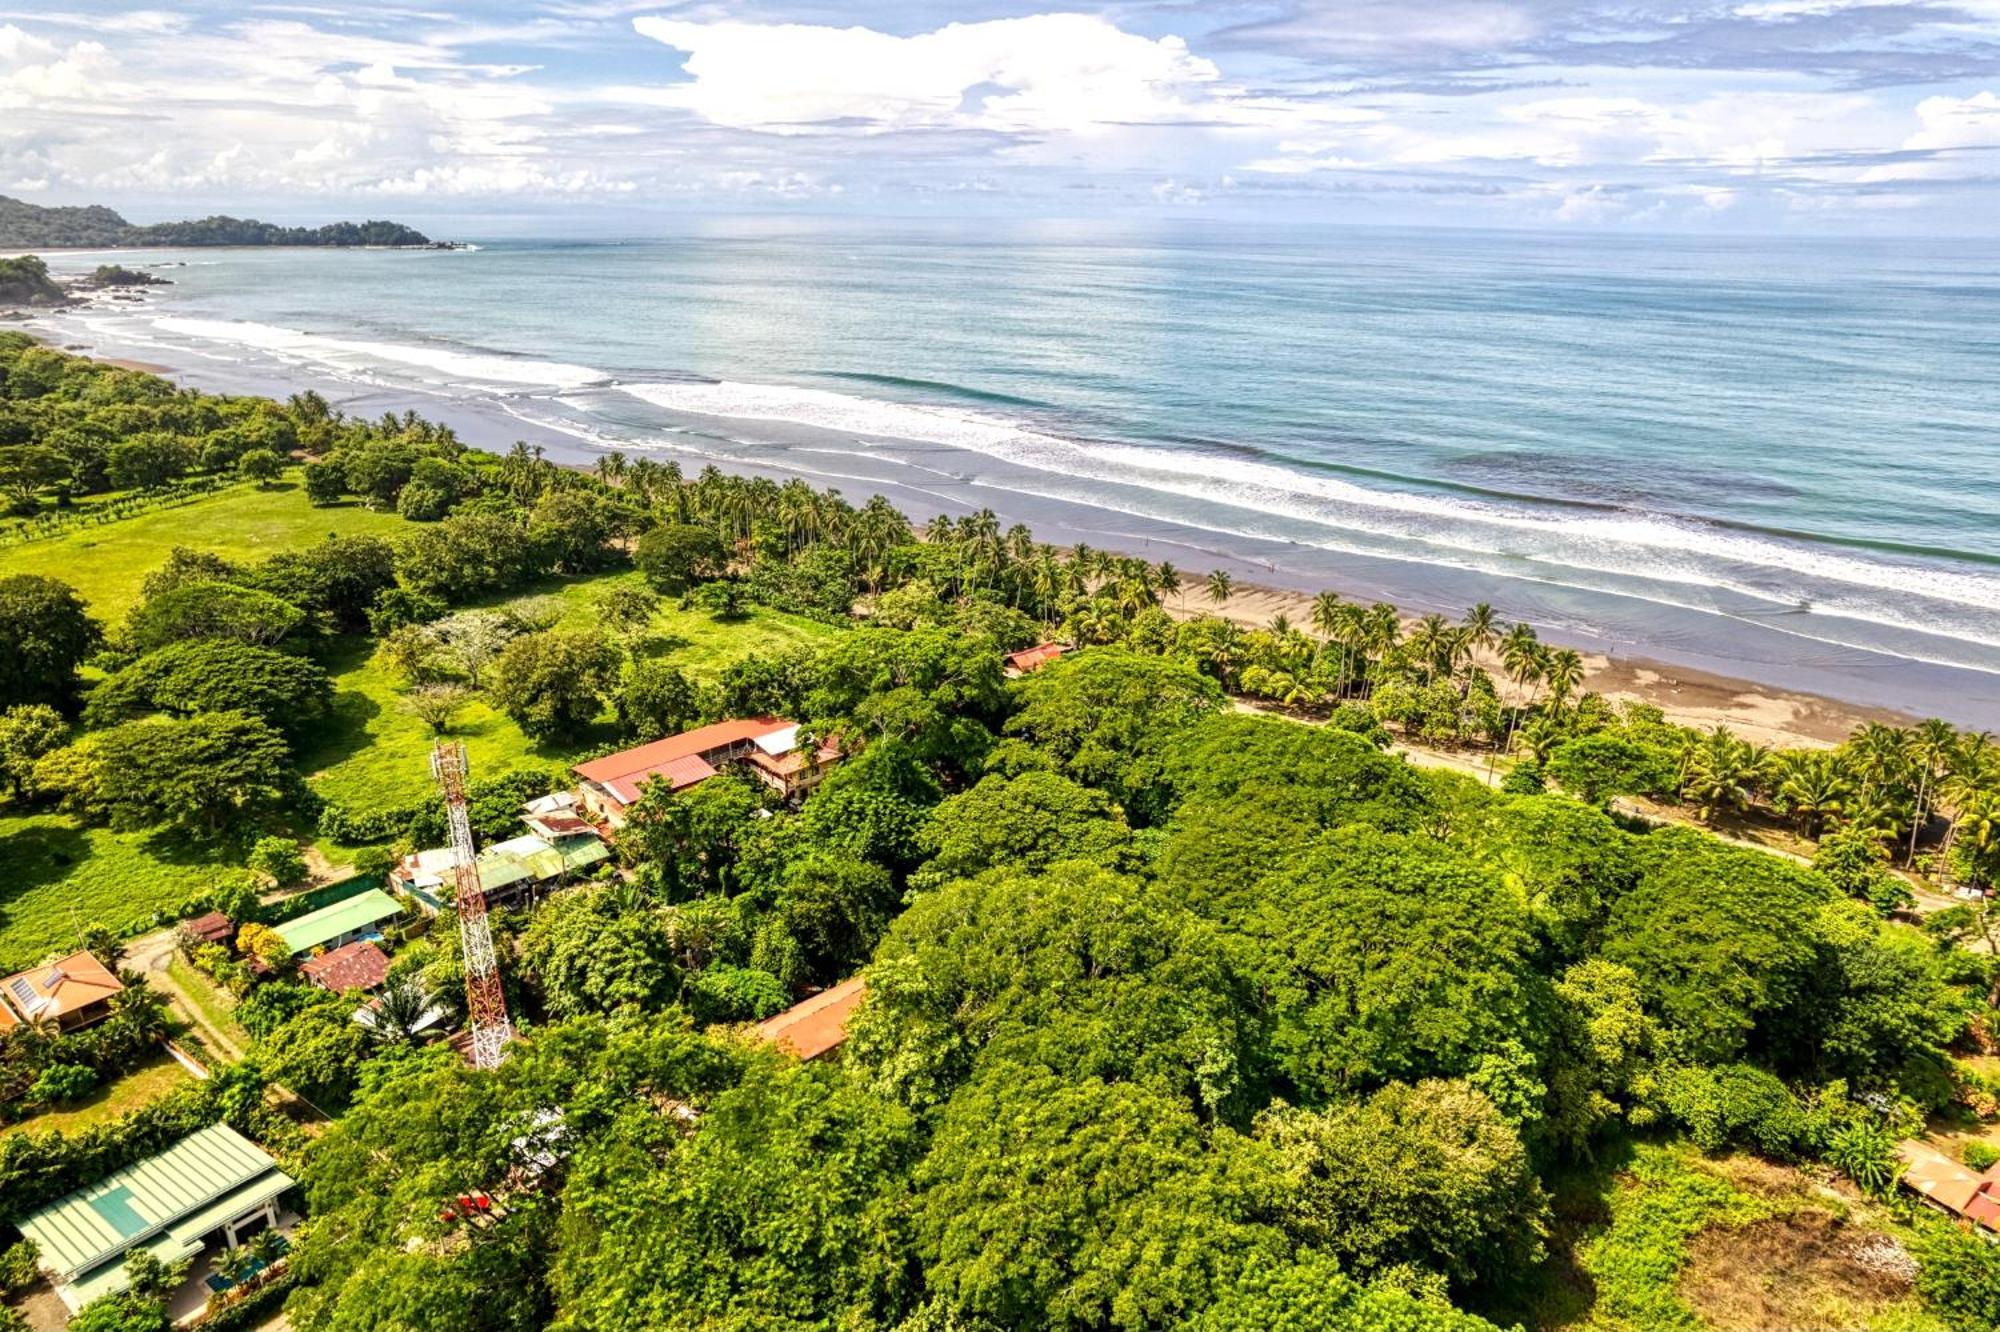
(344, 353)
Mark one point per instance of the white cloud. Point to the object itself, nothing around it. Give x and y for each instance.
(1046, 73)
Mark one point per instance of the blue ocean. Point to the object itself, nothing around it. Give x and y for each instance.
(1774, 460)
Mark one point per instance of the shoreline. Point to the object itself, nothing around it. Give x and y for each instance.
(1762, 711)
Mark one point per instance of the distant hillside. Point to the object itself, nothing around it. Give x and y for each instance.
(26, 225)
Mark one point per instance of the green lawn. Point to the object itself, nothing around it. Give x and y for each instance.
(107, 564)
(376, 753)
(56, 878)
(141, 1086)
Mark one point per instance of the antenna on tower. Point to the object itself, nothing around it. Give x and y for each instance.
(485, 1002)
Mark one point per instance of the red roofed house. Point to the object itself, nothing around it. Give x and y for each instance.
(1949, 1186)
(767, 745)
(817, 1025)
(71, 992)
(1017, 664)
(214, 928)
(355, 966)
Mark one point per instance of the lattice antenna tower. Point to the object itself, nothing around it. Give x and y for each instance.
(485, 1001)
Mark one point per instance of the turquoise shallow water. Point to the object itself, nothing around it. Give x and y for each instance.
(1776, 459)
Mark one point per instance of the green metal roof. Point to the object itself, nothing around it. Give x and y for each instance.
(581, 852)
(331, 922)
(95, 1225)
(109, 1278)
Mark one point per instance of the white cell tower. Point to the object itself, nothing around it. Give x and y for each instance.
(485, 1001)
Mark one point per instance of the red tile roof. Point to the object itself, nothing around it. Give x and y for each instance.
(678, 757)
(811, 1028)
(1028, 659)
(356, 966)
(59, 988)
(214, 928)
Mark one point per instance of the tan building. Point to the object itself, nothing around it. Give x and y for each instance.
(71, 992)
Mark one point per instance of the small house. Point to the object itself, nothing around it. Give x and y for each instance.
(211, 928)
(817, 1025)
(71, 992)
(1949, 1187)
(352, 966)
(361, 916)
(508, 870)
(1017, 664)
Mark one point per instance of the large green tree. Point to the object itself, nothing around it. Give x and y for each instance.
(554, 684)
(1429, 1175)
(48, 635)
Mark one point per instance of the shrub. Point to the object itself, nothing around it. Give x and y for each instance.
(1735, 1105)
(59, 1083)
(19, 1266)
(1979, 1155)
(278, 859)
(1959, 1276)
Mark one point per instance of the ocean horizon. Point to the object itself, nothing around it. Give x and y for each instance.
(1765, 459)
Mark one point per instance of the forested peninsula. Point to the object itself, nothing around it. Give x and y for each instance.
(925, 928)
(31, 226)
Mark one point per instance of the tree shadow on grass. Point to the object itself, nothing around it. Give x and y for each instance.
(651, 646)
(1558, 1292)
(343, 732)
(35, 857)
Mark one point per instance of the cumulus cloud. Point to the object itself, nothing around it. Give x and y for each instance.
(1046, 72)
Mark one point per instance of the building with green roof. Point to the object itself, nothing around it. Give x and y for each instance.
(212, 1183)
(355, 918)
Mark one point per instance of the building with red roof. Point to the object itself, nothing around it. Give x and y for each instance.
(355, 966)
(214, 927)
(817, 1025)
(1017, 664)
(71, 992)
(767, 746)
(1950, 1187)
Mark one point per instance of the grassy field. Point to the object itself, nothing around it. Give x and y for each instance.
(56, 877)
(106, 565)
(1658, 1236)
(143, 1085)
(376, 753)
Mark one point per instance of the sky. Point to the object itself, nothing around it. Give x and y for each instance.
(594, 116)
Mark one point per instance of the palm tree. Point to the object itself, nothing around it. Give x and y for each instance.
(1482, 628)
(1521, 657)
(1723, 773)
(1931, 747)
(1812, 786)
(1562, 672)
(1169, 579)
(399, 1011)
(1220, 585)
(1431, 641)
